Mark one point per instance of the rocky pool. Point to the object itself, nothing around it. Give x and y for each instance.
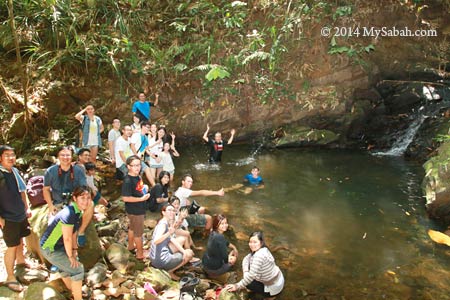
(344, 225)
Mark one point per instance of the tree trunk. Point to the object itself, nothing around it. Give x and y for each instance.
(22, 70)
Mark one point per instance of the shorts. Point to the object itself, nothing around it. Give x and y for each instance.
(144, 167)
(97, 198)
(171, 172)
(136, 224)
(156, 166)
(174, 260)
(60, 259)
(196, 220)
(13, 232)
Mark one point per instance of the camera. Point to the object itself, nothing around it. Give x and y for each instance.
(66, 197)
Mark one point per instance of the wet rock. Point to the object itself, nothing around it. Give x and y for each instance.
(96, 275)
(42, 291)
(108, 230)
(27, 276)
(118, 256)
(305, 136)
(160, 279)
(6, 293)
(226, 295)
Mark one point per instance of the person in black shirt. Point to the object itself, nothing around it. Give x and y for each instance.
(217, 260)
(159, 194)
(14, 214)
(134, 198)
(217, 144)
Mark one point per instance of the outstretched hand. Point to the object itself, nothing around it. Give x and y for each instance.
(233, 131)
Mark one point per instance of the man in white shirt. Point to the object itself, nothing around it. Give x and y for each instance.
(122, 150)
(113, 135)
(199, 218)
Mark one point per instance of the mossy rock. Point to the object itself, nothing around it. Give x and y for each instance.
(305, 136)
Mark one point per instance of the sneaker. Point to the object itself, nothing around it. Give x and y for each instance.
(54, 269)
(81, 240)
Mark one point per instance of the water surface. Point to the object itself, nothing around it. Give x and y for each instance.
(351, 225)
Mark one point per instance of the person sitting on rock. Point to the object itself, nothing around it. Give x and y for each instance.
(59, 241)
(217, 144)
(14, 214)
(135, 205)
(196, 217)
(181, 224)
(216, 260)
(60, 181)
(166, 252)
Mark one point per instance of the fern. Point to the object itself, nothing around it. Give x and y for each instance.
(259, 55)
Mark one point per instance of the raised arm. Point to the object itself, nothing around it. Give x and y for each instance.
(79, 116)
(205, 135)
(230, 140)
(156, 99)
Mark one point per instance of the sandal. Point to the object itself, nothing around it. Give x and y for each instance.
(14, 286)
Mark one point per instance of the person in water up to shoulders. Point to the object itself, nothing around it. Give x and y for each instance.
(253, 178)
(217, 144)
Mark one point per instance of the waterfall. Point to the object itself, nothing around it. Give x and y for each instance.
(402, 143)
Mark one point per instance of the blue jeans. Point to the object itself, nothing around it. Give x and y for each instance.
(60, 259)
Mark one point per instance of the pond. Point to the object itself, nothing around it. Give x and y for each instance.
(345, 225)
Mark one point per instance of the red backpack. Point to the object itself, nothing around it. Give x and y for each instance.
(35, 187)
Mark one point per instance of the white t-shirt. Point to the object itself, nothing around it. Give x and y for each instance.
(93, 136)
(122, 145)
(167, 161)
(136, 139)
(156, 149)
(90, 183)
(183, 194)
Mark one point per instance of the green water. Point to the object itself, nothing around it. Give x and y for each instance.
(354, 224)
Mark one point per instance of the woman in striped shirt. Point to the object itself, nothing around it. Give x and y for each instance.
(261, 274)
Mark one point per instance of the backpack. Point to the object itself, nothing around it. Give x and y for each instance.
(35, 186)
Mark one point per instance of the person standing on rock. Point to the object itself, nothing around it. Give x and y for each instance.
(113, 135)
(14, 214)
(135, 197)
(141, 108)
(59, 241)
(60, 181)
(92, 127)
(217, 144)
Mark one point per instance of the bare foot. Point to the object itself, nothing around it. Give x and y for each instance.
(173, 276)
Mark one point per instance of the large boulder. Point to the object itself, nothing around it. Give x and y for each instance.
(42, 291)
(89, 255)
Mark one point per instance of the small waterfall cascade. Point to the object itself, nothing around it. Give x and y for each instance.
(432, 105)
(402, 143)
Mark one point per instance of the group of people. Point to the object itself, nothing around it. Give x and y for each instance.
(140, 149)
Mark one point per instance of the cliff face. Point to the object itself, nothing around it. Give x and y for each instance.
(296, 81)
